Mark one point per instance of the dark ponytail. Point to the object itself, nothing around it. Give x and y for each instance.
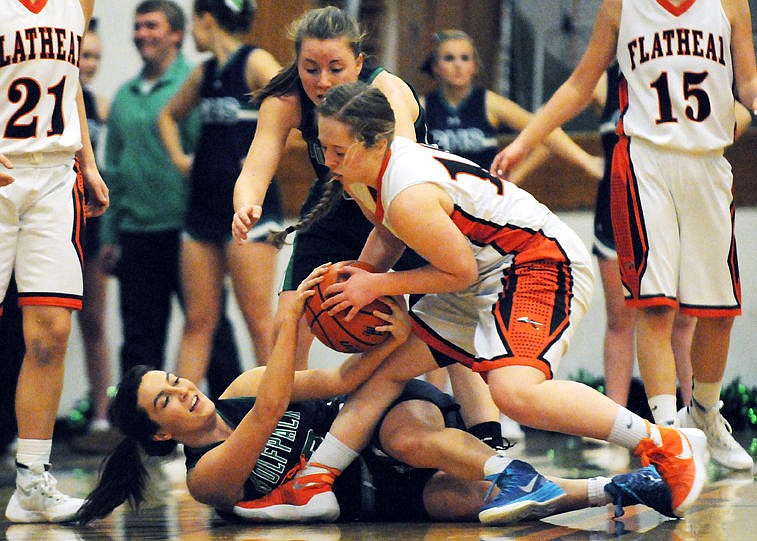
(123, 475)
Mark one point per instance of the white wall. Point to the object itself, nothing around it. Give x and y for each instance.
(120, 58)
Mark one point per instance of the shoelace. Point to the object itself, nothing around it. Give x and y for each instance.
(495, 482)
(294, 470)
(714, 411)
(47, 486)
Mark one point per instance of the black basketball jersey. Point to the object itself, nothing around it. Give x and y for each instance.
(94, 121)
(299, 431)
(229, 119)
(464, 129)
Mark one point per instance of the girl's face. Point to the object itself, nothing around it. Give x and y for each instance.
(174, 403)
(349, 160)
(201, 31)
(456, 63)
(90, 57)
(326, 63)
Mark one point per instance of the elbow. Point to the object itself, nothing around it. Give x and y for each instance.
(466, 276)
(272, 409)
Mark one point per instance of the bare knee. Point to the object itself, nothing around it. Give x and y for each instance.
(407, 432)
(46, 333)
(516, 390)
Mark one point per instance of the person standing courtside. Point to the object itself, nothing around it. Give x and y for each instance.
(220, 90)
(45, 149)
(141, 236)
(671, 188)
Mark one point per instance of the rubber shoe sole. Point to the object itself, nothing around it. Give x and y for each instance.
(14, 512)
(322, 507)
(536, 505)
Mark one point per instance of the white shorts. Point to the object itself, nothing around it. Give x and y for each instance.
(41, 223)
(521, 316)
(673, 220)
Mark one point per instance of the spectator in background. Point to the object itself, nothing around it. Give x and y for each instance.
(465, 118)
(141, 236)
(220, 90)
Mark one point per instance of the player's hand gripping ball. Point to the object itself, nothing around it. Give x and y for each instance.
(353, 336)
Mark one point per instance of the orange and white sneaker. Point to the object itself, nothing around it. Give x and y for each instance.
(303, 498)
(679, 454)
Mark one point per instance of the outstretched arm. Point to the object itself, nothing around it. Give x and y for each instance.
(506, 112)
(742, 43)
(233, 460)
(276, 118)
(342, 379)
(572, 96)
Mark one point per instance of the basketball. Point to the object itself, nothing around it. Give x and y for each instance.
(353, 336)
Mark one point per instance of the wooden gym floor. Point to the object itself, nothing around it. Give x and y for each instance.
(726, 510)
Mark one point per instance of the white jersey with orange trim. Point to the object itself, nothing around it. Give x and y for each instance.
(534, 272)
(678, 74)
(504, 223)
(40, 42)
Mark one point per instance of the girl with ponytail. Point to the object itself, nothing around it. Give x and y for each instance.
(327, 47)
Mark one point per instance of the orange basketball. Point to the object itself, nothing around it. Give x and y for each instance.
(353, 336)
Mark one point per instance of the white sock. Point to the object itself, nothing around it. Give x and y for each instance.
(29, 452)
(629, 429)
(495, 464)
(595, 488)
(706, 394)
(663, 408)
(332, 453)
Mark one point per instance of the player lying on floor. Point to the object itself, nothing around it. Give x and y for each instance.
(254, 440)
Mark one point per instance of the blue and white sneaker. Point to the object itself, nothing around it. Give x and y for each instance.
(524, 494)
(644, 486)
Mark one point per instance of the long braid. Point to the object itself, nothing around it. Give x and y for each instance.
(332, 191)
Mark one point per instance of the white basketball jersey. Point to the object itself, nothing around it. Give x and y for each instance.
(504, 223)
(39, 75)
(678, 74)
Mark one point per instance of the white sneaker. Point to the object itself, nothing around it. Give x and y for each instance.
(37, 500)
(721, 444)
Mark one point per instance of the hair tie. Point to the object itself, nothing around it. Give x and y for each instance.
(234, 5)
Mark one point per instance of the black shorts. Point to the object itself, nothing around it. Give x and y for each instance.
(210, 222)
(604, 242)
(379, 488)
(92, 238)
